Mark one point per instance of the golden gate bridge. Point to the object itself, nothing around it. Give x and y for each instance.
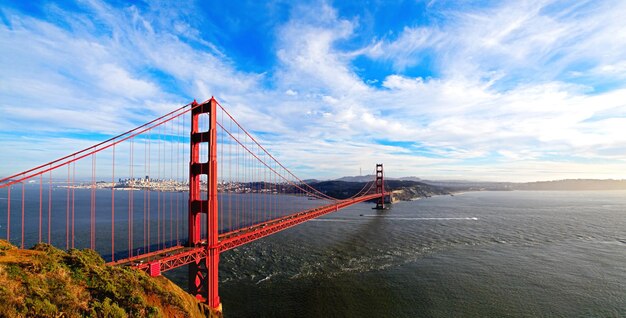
(175, 205)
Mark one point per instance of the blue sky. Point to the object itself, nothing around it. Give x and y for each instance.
(482, 90)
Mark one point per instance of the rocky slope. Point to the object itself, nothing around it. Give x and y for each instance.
(47, 282)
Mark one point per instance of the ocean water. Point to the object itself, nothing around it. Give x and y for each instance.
(155, 220)
(478, 254)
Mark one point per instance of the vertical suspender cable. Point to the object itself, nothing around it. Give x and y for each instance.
(22, 244)
(238, 181)
(230, 182)
(113, 206)
(49, 203)
(159, 191)
(178, 180)
(221, 174)
(148, 187)
(67, 211)
(73, 199)
(130, 200)
(9, 214)
(171, 179)
(40, 203)
(145, 173)
(91, 211)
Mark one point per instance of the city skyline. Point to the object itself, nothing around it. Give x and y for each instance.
(511, 91)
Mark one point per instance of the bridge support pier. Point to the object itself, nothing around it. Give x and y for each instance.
(203, 273)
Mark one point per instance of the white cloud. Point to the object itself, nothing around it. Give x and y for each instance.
(116, 80)
(405, 50)
(321, 114)
(308, 59)
(536, 40)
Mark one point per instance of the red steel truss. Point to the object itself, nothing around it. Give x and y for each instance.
(178, 256)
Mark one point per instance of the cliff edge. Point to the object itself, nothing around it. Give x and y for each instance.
(47, 282)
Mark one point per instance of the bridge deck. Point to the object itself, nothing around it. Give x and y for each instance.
(163, 260)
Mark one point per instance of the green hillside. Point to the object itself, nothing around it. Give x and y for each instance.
(47, 282)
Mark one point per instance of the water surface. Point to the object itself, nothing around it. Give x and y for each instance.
(480, 254)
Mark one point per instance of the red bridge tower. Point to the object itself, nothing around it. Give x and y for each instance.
(203, 278)
(380, 186)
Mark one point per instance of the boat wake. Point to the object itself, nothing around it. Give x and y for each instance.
(422, 218)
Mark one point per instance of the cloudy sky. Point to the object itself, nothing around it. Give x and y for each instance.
(480, 90)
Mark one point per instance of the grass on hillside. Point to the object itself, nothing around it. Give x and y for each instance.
(47, 282)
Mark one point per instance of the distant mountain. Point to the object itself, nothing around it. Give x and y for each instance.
(556, 185)
(472, 185)
(466, 185)
(572, 185)
(366, 178)
(370, 177)
(411, 178)
(309, 181)
(404, 190)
